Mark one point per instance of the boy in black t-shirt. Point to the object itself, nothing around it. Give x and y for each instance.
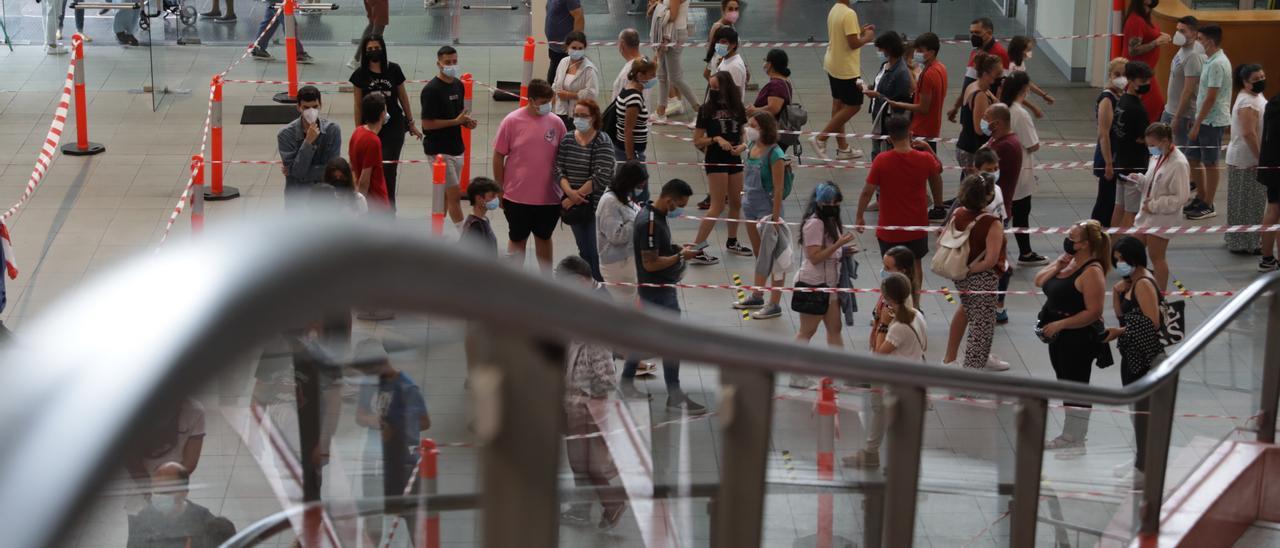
(444, 114)
(476, 231)
(1128, 142)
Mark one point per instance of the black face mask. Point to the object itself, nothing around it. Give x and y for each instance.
(975, 40)
(1068, 246)
(378, 56)
(829, 211)
(1259, 86)
(1143, 89)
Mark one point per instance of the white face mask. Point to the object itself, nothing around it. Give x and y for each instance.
(1120, 82)
(1026, 57)
(311, 115)
(1179, 39)
(753, 134)
(576, 54)
(451, 71)
(386, 117)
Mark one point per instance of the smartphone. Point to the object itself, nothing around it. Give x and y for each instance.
(701, 246)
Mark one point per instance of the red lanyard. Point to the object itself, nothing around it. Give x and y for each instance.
(1151, 183)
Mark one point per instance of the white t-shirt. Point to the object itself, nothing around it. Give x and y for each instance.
(909, 341)
(190, 425)
(737, 68)
(621, 81)
(679, 21)
(1238, 152)
(1025, 128)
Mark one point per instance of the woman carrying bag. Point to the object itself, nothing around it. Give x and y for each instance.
(584, 165)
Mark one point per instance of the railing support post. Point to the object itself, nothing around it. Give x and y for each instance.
(904, 409)
(1270, 372)
(1028, 459)
(746, 415)
(1159, 432)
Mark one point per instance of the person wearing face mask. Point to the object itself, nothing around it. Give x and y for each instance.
(718, 131)
(376, 75)
(729, 13)
(306, 145)
(900, 175)
(1019, 55)
(444, 114)
(670, 31)
(584, 164)
(1245, 197)
(615, 227)
(338, 192)
(1128, 143)
(983, 39)
(378, 14)
(897, 260)
(660, 261)
(477, 232)
(1014, 94)
(563, 17)
(1103, 159)
(524, 154)
(1164, 188)
(365, 150)
(777, 92)
(1212, 117)
(843, 65)
(824, 241)
(1070, 322)
(631, 135)
(1142, 41)
(765, 184)
(1136, 302)
(892, 83)
(728, 60)
(576, 78)
(977, 97)
(986, 265)
(997, 122)
(928, 95)
(1184, 79)
(170, 518)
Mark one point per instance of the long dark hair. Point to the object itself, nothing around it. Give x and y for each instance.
(626, 179)
(728, 96)
(1139, 7)
(1018, 46)
(1013, 86)
(826, 192)
(364, 59)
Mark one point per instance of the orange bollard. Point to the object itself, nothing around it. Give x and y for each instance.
(82, 146)
(437, 196)
(290, 54)
(826, 459)
(428, 472)
(464, 177)
(528, 71)
(197, 194)
(217, 191)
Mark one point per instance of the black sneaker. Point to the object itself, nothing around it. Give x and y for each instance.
(947, 204)
(937, 213)
(751, 302)
(1268, 264)
(682, 402)
(211, 14)
(1032, 259)
(704, 259)
(1205, 211)
(305, 59)
(225, 19)
(260, 54)
(1194, 204)
(705, 204)
(128, 39)
(737, 248)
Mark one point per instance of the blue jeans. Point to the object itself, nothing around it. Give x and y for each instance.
(126, 20)
(79, 17)
(267, 34)
(585, 236)
(659, 298)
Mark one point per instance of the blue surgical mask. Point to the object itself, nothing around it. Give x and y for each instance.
(995, 175)
(492, 204)
(581, 124)
(545, 108)
(452, 71)
(575, 54)
(918, 58)
(1155, 151)
(1125, 269)
(884, 274)
(722, 49)
(650, 83)
(880, 55)
(638, 191)
(675, 213)
(986, 127)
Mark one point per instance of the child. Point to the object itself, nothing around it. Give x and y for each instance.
(1019, 53)
(476, 231)
(764, 180)
(589, 379)
(907, 338)
(338, 189)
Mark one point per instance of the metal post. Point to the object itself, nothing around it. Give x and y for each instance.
(517, 386)
(464, 178)
(904, 408)
(217, 191)
(1159, 432)
(746, 415)
(82, 146)
(1028, 459)
(1270, 373)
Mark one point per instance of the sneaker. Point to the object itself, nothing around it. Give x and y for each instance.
(704, 259)
(681, 402)
(994, 363)
(769, 312)
(735, 247)
(675, 107)
(211, 14)
(937, 213)
(953, 363)
(862, 459)
(225, 19)
(259, 53)
(630, 392)
(1071, 452)
(705, 204)
(56, 50)
(1205, 211)
(849, 154)
(1032, 259)
(874, 205)
(751, 302)
(646, 368)
(305, 58)
(59, 34)
(130, 39)
(1002, 316)
(576, 515)
(819, 147)
(1194, 204)
(612, 516)
(1268, 264)
(948, 203)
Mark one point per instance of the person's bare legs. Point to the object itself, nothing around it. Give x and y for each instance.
(1197, 177)
(735, 203)
(840, 115)
(959, 322)
(718, 185)
(516, 252)
(1212, 175)
(1158, 248)
(453, 203)
(1269, 217)
(808, 327)
(542, 249)
(832, 321)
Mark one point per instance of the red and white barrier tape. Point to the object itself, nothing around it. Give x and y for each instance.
(856, 290)
(408, 490)
(191, 178)
(810, 44)
(248, 50)
(1166, 230)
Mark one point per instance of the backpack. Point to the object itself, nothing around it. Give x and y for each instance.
(788, 176)
(792, 117)
(951, 260)
(609, 121)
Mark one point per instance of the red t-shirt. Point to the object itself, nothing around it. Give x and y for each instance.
(902, 178)
(1137, 27)
(933, 82)
(365, 150)
(996, 49)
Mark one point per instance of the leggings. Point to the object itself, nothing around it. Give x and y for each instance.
(1105, 203)
(670, 73)
(1072, 355)
(981, 311)
(1022, 219)
(392, 136)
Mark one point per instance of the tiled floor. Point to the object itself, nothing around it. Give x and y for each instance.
(90, 213)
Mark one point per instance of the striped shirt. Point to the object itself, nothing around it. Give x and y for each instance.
(627, 99)
(578, 163)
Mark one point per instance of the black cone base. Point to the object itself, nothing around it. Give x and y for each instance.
(72, 149)
(228, 193)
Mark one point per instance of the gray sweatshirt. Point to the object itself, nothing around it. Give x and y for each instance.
(615, 222)
(306, 162)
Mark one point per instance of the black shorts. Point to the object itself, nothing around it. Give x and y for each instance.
(919, 247)
(846, 91)
(1273, 192)
(721, 168)
(523, 219)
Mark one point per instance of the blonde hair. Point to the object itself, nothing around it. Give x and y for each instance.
(1099, 242)
(1116, 64)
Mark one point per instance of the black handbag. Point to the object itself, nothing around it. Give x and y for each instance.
(810, 302)
(581, 213)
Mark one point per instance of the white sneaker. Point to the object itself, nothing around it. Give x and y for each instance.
(849, 154)
(675, 107)
(954, 363)
(996, 364)
(55, 50)
(819, 147)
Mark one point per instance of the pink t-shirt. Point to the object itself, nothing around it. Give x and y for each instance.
(530, 143)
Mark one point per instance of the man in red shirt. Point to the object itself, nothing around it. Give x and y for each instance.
(983, 39)
(365, 150)
(900, 175)
(926, 107)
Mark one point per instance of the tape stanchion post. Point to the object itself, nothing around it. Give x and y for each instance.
(216, 189)
(428, 472)
(528, 71)
(437, 196)
(82, 146)
(197, 194)
(468, 88)
(290, 54)
(827, 410)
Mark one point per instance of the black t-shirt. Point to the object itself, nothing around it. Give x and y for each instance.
(1129, 125)
(441, 101)
(652, 233)
(386, 83)
(719, 121)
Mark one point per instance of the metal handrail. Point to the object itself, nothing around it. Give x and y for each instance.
(120, 347)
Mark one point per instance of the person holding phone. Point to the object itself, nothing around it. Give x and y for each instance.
(444, 114)
(824, 241)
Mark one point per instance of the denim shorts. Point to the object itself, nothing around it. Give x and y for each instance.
(1207, 146)
(1179, 137)
(756, 203)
